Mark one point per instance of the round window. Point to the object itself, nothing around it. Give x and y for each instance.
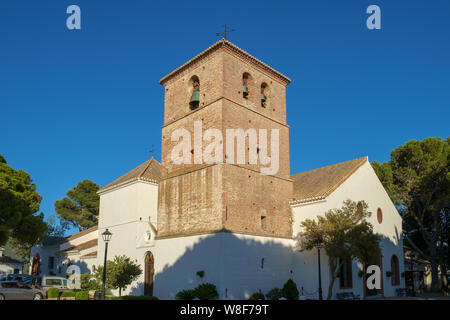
(379, 215)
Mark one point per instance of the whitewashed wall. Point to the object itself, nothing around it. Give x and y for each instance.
(362, 185)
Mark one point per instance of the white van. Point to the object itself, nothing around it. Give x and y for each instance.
(48, 282)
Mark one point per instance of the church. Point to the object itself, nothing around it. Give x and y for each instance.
(228, 222)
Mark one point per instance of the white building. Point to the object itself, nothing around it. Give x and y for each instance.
(239, 263)
(9, 265)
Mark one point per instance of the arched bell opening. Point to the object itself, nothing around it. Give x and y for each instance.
(194, 83)
(264, 94)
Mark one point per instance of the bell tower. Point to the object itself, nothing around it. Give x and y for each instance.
(222, 89)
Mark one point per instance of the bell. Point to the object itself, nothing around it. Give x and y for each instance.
(195, 100)
(245, 91)
(263, 100)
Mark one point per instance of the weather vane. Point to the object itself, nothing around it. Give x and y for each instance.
(225, 32)
(152, 150)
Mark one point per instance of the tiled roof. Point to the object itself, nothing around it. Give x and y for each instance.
(6, 259)
(82, 246)
(228, 44)
(90, 255)
(319, 183)
(82, 233)
(150, 170)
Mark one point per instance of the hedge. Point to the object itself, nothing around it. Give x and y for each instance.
(53, 293)
(82, 295)
(132, 298)
(68, 294)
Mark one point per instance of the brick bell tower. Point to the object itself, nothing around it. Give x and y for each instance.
(224, 87)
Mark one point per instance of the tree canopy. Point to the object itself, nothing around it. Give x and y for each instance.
(81, 206)
(343, 233)
(19, 203)
(417, 179)
(120, 273)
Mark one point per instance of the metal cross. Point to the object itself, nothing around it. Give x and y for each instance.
(225, 32)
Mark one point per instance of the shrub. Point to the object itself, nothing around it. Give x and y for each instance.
(132, 298)
(53, 293)
(257, 296)
(185, 295)
(290, 291)
(68, 294)
(274, 294)
(206, 291)
(82, 295)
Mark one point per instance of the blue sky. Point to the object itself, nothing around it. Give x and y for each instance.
(87, 104)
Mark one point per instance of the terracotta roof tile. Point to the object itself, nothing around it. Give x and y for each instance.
(89, 255)
(82, 233)
(319, 183)
(150, 170)
(82, 246)
(228, 44)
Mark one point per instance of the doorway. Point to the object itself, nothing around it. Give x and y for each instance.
(149, 262)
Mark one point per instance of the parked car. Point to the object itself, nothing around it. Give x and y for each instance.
(47, 282)
(14, 290)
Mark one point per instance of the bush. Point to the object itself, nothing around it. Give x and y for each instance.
(290, 291)
(185, 295)
(132, 298)
(68, 294)
(274, 294)
(257, 296)
(53, 293)
(82, 295)
(206, 291)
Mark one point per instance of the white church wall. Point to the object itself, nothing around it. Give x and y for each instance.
(361, 185)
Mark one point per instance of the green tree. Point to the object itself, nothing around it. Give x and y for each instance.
(417, 179)
(120, 273)
(343, 233)
(19, 203)
(81, 206)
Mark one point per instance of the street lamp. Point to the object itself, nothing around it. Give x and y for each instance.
(411, 256)
(319, 244)
(106, 237)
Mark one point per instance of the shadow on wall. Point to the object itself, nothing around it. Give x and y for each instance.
(239, 266)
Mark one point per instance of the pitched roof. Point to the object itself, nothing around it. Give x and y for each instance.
(319, 183)
(150, 170)
(223, 43)
(82, 246)
(6, 259)
(90, 255)
(81, 233)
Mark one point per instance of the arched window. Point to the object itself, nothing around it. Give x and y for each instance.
(395, 269)
(195, 97)
(264, 95)
(345, 274)
(149, 271)
(245, 84)
(359, 209)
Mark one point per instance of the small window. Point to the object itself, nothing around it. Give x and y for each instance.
(359, 209)
(379, 215)
(51, 263)
(263, 223)
(345, 274)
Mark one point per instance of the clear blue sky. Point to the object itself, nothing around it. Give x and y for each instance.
(87, 104)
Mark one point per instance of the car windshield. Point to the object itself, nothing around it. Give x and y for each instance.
(52, 282)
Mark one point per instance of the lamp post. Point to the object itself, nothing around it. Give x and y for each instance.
(411, 256)
(106, 237)
(319, 243)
